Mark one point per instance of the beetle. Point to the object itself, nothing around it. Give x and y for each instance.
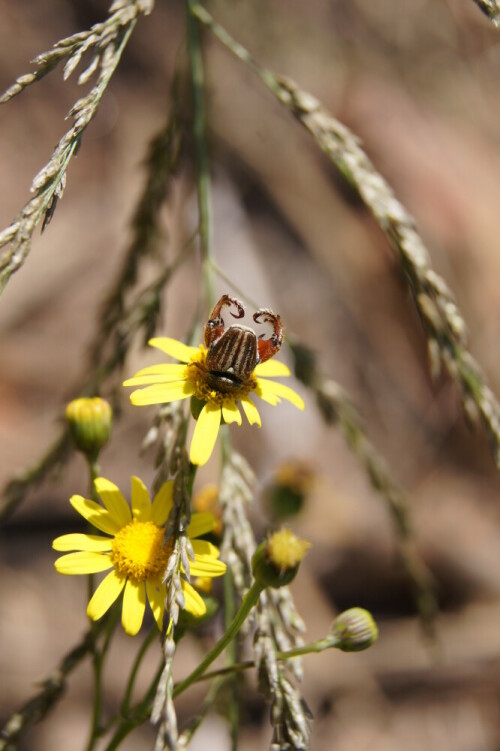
(234, 352)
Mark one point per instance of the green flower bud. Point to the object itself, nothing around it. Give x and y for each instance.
(276, 561)
(291, 484)
(89, 422)
(354, 630)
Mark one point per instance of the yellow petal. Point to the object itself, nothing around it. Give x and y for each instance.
(280, 390)
(162, 503)
(207, 566)
(200, 524)
(134, 605)
(162, 393)
(141, 505)
(114, 501)
(95, 514)
(251, 411)
(77, 541)
(266, 394)
(105, 594)
(156, 592)
(205, 434)
(174, 348)
(231, 413)
(164, 369)
(152, 379)
(157, 374)
(83, 563)
(272, 368)
(203, 547)
(194, 603)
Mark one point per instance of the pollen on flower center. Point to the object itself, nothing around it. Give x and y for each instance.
(138, 551)
(215, 389)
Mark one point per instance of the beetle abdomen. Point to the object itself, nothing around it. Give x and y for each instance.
(234, 354)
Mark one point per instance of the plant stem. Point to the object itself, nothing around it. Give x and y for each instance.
(313, 647)
(232, 656)
(199, 133)
(249, 601)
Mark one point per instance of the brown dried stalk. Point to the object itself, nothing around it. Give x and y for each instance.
(442, 320)
(108, 40)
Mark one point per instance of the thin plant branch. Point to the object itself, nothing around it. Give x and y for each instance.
(109, 39)
(147, 233)
(199, 134)
(141, 315)
(51, 691)
(442, 320)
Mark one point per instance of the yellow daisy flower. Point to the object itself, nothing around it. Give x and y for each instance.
(191, 377)
(135, 551)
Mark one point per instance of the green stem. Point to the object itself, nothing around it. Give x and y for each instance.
(250, 599)
(199, 133)
(238, 667)
(232, 656)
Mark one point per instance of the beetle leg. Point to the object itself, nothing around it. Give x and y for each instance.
(215, 325)
(269, 347)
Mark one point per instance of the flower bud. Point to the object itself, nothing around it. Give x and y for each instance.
(89, 421)
(354, 630)
(276, 560)
(291, 484)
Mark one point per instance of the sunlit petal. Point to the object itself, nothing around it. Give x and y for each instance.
(141, 505)
(231, 413)
(200, 524)
(194, 603)
(158, 374)
(205, 433)
(134, 605)
(147, 380)
(114, 501)
(156, 592)
(251, 411)
(105, 595)
(174, 348)
(83, 562)
(207, 566)
(162, 393)
(272, 368)
(285, 392)
(95, 514)
(203, 547)
(162, 503)
(78, 541)
(265, 393)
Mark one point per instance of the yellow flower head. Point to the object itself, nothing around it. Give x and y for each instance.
(276, 560)
(169, 382)
(134, 550)
(285, 550)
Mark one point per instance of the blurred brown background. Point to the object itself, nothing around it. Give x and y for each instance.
(418, 81)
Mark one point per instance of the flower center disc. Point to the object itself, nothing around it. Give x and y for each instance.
(138, 551)
(215, 388)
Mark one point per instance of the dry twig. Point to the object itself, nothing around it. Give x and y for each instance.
(108, 40)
